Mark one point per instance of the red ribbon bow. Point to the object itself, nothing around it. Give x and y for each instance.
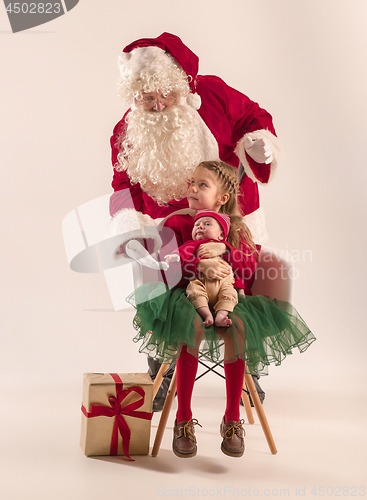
(115, 410)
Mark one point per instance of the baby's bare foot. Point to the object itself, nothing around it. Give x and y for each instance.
(209, 321)
(222, 320)
(206, 315)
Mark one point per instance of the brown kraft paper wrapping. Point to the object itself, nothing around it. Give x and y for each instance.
(112, 407)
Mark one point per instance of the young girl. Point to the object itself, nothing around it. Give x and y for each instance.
(262, 330)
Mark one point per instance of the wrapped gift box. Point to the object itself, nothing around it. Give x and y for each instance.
(116, 413)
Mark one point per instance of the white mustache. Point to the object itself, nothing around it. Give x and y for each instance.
(162, 150)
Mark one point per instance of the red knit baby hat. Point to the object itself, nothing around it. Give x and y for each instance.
(223, 219)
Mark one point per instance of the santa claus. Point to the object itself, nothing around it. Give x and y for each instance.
(177, 119)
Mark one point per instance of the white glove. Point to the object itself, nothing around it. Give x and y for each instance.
(259, 150)
(136, 251)
(174, 257)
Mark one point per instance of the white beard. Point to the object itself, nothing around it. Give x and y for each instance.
(162, 149)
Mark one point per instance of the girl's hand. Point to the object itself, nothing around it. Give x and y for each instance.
(210, 250)
(173, 257)
(241, 291)
(215, 269)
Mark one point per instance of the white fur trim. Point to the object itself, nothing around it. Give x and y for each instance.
(194, 100)
(274, 144)
(256, 224)
(129, 219)
(141, 59)
(209, 144)
(182, 211)
(128, 224)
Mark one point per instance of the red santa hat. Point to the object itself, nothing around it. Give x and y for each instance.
(223, 219)
(150, 55)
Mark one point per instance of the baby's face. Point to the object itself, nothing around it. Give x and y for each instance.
(207, 228)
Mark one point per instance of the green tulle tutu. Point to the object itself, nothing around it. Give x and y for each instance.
(263, 331)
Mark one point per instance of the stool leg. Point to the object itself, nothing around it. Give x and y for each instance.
(260, 413)
(246, 404)
(159, 377)
(164, 417)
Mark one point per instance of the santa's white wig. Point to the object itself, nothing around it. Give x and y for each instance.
(148, 69)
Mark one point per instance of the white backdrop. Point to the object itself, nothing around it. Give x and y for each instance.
(303, 61)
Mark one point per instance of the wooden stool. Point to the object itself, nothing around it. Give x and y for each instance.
(171, 394)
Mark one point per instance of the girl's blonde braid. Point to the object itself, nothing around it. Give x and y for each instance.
(230, 181)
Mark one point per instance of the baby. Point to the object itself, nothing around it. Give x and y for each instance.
(202, 292)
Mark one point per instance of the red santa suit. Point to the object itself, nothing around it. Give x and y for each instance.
(229, 117)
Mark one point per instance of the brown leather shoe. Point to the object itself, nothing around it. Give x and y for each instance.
(233, 433)
(184, 440)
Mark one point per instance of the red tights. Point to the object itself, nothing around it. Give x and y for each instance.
(186, 369)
